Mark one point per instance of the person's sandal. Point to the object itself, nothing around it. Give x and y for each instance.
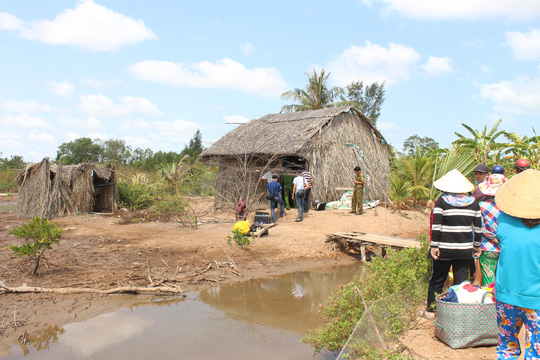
(427, 314)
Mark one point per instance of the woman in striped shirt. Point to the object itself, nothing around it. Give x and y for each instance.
(455, 233)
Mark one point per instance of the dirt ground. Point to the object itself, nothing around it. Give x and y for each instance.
(108, 251)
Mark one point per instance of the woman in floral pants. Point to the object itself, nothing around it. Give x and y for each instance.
(517, 281)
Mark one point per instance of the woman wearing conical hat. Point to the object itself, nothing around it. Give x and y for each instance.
(454, 216)
(517, 281)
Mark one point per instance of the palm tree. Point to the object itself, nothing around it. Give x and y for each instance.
(316, 96)
(483, 143)
(525, 147)
(400, 189)
(418, 171)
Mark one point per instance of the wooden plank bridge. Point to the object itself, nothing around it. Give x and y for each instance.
(359, 242)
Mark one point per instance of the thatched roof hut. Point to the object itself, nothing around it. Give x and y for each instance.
(315, 140)
(47, 190)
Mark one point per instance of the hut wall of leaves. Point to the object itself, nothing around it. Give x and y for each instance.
(49, 191)
(314, 139)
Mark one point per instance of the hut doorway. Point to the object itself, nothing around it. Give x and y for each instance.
(103, 195)
(294, 163)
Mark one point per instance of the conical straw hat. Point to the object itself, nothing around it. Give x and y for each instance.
(454, 182)
(520, 196)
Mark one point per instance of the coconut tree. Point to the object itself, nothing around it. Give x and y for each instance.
(418, 171)
(315, 96)
(400, 189)
(484, 144)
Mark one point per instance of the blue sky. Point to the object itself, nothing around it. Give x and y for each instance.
(152, 73)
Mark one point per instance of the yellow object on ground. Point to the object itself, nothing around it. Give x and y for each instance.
(242, 226)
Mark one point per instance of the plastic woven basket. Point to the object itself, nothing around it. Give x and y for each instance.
(466, 325)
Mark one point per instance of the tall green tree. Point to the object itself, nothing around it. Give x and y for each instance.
(415, 145)
(116, 150)
(79, 151)
(483, 143)
(524, 147)
(367, 99)
(195, 147)
(316, 96)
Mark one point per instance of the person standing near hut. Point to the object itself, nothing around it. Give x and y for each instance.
(455, 234)
(274, 188)
(299, 193)
(268, 176)
(357, 204)
(517, 281)
(287, 180)
(309, 184)
(486, 264)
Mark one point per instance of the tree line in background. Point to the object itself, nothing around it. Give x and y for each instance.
(84, 149)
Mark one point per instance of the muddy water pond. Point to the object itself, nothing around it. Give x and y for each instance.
(256, 319)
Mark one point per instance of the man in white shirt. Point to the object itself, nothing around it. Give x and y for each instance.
(299, 193)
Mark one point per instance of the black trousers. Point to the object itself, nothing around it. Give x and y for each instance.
(307, 200)
(439, 273)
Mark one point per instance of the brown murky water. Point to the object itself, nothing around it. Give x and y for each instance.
(257, 319)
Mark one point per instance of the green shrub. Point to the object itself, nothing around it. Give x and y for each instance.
(384, 276)
(8, 183)
(239, 239)
(135, 197)
(40, 234)
(169, 205)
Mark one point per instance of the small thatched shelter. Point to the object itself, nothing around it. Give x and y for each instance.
(47, 190)
(314, 140)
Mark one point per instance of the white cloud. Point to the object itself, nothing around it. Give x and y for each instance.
(137, 141)
(524, 45)
(461, 9)
(372, 62)
(224, 74)
(247, 48)
(235, 119)
(98, 84)
(91, 123)
(518, 96)
(139, 124)
(70, 136)
(40, 137)
(24, 120)
(100, 104)
(96, 135)
(9, 22)
(62, 89)
(436, 66)
(176, 131)
(24, 106)
(89, 26)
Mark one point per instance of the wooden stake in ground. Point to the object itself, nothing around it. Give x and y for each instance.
(125, 290)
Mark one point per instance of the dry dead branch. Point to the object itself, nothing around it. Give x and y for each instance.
(63, 291)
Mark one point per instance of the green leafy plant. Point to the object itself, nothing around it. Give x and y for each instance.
(385, 276)
(242, 240)
(135, 196)
(39, 234)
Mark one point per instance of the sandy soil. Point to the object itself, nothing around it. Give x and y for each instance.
(106, 251)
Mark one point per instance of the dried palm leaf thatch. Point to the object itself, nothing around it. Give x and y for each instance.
(317, 136)
(54, 190)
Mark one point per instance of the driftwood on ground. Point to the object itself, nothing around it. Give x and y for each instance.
(124, 289)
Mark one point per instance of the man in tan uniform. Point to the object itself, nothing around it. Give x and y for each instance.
(357, 203)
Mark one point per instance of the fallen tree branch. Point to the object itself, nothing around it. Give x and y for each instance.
(118, 290)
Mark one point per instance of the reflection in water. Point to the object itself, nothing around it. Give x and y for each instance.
(288, 301)
(41, 340)
(260, 319)
(103, 331)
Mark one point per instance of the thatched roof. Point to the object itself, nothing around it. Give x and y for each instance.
(280, 134)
